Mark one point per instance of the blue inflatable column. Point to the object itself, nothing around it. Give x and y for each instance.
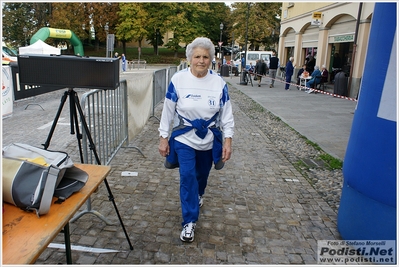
(368, 203)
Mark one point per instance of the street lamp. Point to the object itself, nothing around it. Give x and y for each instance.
(156, 41)
(246, 31)
(106, 28)
(25, 31)
(84, 29)
(243, 79)
(220, 44)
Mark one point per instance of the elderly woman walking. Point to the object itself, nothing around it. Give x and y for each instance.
(198, 104)
(289, 71)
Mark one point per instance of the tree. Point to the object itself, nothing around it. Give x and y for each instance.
(191, 20)
(60, 19)
(132, 17)
(16, 16)
(218, 13)
(185, 20)
(263, 23)
(72, 15)
(147, 21)
(155, 26)
(271, 31)
(100, 14)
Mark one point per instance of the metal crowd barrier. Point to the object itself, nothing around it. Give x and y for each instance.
(106, 115)
(161, 82)
(136, 63)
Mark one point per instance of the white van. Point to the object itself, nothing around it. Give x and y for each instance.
(8, 54)
(252, 57)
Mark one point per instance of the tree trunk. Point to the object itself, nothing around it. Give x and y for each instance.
(124, 47)
(96, 45)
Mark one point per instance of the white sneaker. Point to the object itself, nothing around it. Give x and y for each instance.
(310, 91)
(200, 201)
(187, 234)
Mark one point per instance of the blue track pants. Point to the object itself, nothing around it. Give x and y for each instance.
(194, 170)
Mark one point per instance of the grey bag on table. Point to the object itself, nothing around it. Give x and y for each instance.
(32, 176)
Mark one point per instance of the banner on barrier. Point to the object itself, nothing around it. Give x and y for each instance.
(6, 92)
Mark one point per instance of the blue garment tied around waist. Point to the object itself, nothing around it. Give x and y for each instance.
(201, 127)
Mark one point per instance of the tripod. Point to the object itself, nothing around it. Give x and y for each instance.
(73, 106)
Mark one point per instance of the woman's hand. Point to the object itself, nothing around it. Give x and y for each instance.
(163, 147)
(226, 153)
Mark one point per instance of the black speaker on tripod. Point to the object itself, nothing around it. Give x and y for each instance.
(68, 72)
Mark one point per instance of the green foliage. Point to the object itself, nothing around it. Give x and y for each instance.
(332, 162)
(132, 17)
(96, 15)
(185, 20)
(165, 56)
(16, 16)
(316, 146)
(140, 21)
(300, 165)
(263, 23)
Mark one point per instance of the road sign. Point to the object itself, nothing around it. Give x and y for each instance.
(316, 18)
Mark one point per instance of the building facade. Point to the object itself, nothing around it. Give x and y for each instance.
(326, 29)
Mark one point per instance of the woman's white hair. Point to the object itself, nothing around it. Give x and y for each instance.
(202, 42)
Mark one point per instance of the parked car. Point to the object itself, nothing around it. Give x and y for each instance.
(226, 51)
(235, 49)
(8, 55)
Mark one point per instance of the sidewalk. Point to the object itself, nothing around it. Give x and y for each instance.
(257, 210)
(321, 118)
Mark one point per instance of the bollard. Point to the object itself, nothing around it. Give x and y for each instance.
(225, 72)
(341, 84)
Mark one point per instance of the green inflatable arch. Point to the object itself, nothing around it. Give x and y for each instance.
(46, 32)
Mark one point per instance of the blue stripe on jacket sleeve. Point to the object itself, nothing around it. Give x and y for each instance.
(171, 93)
(225, 96)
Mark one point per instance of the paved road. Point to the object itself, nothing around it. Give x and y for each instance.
(322, 118)
(258, 210)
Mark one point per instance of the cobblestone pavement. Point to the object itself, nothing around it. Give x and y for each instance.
(258, 210)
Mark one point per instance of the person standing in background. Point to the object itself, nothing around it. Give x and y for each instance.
(289, 71)
(310, 64)
(260, 70)
(123, 62)
(243, 63)
(273, 66)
